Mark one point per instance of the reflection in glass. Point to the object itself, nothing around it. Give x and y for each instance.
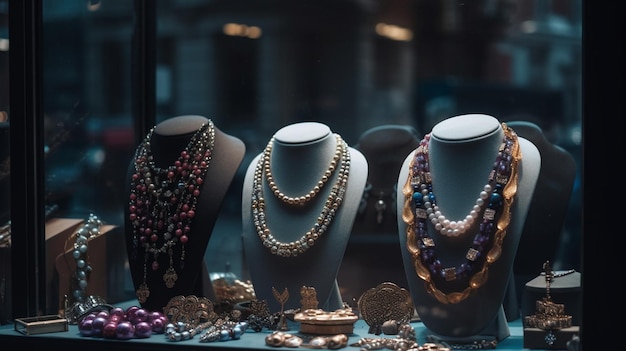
(253, 69)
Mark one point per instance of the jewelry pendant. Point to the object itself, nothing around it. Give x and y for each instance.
(170, 277)
(381, 206)
(143, 292)
(550, 338)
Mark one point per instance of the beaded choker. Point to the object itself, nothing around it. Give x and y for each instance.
(163, 202)
(486, 247)
(331, 206)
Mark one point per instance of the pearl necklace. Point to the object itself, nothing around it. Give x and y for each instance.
(418, 190)
(88, 231)
(442, 224)
(163, 201)
(298, 200)
(331, 206)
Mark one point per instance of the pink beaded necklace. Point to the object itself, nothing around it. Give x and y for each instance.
(163, 202)
(486, 247)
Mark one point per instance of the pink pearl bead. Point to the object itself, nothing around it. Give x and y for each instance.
(124, 331)
(109, 330)
(143, 330)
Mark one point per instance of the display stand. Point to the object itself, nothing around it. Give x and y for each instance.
(170, 137)
(58, 230)
(544, 226)
(374, 234)
(384, 148)
(462, 150)
(300, 155)
(106, 260)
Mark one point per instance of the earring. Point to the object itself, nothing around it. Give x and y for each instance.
(380, 206)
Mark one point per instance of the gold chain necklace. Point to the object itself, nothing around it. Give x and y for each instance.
(334, 200)
(418, 190)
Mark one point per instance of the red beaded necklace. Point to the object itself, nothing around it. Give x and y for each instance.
(486, 247)
(163, 202)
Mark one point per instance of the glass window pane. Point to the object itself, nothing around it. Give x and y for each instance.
(352, 65)
(356, 66)
(89, 140)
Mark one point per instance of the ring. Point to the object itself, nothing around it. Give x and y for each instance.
(80, 309)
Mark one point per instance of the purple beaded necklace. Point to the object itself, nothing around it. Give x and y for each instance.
(486, 246)
(163, 202)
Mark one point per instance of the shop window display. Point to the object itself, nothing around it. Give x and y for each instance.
(219, 216)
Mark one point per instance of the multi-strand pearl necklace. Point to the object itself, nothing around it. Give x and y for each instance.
(163, 201)
(418, 191)
(334, 200)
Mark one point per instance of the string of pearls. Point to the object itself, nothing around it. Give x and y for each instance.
(447, 227)
(331, 206)
(455, 228)
(298, 200)
(220, 330)
(83, 235)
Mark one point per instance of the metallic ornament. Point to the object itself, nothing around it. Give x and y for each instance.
(385, 302)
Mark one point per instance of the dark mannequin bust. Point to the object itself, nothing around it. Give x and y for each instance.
(297, 158)
(544, 226)
(166, 142)
(384, 148)
(461, 151)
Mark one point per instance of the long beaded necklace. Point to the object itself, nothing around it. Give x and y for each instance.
(334, 200)
(418, 191)
(163, 202)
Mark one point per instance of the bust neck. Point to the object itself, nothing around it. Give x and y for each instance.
(462, 151)
(300, 155)
(172, 136)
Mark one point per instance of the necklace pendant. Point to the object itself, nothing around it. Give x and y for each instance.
(143, 292)
(381, 206)
(170, 277)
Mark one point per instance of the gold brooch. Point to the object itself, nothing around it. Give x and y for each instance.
(385, 302)
(191, 310)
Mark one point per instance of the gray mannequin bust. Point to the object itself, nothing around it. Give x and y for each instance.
(300, 154)
(462, 151)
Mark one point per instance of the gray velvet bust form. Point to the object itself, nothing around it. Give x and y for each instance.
(462, 150)
(300, 155)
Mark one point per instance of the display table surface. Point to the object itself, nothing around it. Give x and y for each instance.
(72, 340)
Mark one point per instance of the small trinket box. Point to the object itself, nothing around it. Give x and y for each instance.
(316, 321)
(41, 325)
